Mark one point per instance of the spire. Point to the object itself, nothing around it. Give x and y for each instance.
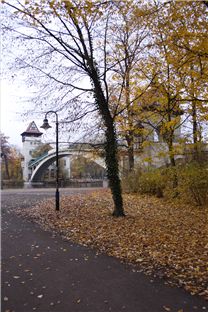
(32, 130)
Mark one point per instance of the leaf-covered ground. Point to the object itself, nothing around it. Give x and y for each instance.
(162, 238)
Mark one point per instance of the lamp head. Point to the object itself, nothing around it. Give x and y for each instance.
(45, 125)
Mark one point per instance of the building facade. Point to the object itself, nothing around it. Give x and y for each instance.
(31, 139)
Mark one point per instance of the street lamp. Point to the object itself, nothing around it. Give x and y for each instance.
(46, 126)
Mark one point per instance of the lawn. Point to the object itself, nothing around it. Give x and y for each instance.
(162, 238)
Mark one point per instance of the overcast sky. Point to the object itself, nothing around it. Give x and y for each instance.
(12, 123)
(16, 99)
(14, 93)
(13, 105)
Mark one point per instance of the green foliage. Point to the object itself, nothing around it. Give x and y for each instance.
(154, 53)
(192, 183)
(10, 161)
(41, 149)
(130, 183)
(82, 167)
(152, 182)
(149, 182)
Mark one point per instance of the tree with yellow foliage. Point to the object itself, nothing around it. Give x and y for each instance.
(11, 161)
(130, 38)
(178, 60)
(73, 37)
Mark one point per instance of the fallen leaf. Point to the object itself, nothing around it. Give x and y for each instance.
(161, 238)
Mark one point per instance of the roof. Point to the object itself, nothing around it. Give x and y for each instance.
(32, 130)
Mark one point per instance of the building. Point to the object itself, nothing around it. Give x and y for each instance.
(31, 139)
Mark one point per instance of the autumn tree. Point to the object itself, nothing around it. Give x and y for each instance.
(5, 153)
(73, 35)
(159, 105)
(178, 84)
(189, 42)
(130, 40)
(15, 168)
(87, 168)
(206, 3)
(11, 161)
(40, 150)
(117, 64)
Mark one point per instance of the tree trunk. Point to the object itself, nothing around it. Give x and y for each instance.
(194, 117)
(130, 150)
(113, 170)
(172, 158)
(131, 158)
(111, 147)
(170, 138)
(195, 134)
(6, 166)
(130, 134)
(173, 163)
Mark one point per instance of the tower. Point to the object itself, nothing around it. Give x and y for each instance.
(31, 139)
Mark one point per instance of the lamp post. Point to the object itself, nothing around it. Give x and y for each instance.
(46, 126)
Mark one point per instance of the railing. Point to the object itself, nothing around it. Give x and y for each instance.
(11, 184)
(37, 160)
(76, 183)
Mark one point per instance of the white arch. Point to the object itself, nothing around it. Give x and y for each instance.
(51, 157)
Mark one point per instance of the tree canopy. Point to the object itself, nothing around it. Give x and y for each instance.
(118, 66)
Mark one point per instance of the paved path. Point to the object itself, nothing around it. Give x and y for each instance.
(42, 272)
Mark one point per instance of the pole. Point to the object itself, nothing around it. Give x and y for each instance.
(57, 167)
(47, 126)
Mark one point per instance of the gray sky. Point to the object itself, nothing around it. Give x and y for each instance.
(13, 104)
(14, 93)
(12, 123)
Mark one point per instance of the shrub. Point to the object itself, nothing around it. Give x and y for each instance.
(188, 182)
(149, 182)
(12, 184)
(152, 183)
(193, 184)
(131, 182)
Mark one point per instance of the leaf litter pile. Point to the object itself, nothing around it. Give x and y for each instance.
(161, 238)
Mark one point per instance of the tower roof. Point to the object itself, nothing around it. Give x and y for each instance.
(32, 130)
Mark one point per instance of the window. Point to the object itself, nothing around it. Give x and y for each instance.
(156, 136)
(52, 173)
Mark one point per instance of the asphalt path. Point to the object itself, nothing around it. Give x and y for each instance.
(43, 272)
